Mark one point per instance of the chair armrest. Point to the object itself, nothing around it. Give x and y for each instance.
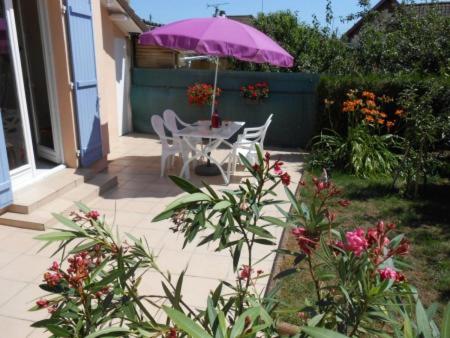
(253, 129)
(182, 122)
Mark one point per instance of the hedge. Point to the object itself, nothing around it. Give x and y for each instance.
(335, 89)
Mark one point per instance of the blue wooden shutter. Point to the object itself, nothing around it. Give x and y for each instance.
(5, 181)
(84, 76)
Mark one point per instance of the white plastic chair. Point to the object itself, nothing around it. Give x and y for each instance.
(246, 144)
(169, 150)
(171, 120)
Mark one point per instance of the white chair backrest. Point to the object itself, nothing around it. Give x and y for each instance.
(170, 120)
(266, 127)
(158, 127)
(258, 134)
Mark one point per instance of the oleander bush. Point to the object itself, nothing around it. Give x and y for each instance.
(360, 290)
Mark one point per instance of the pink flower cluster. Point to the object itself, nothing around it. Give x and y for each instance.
(305, 240)
(356, 241)
(245, 272)
(93, 214)
(53, 277)
(284, 176)
(375, 242)
(390, 273)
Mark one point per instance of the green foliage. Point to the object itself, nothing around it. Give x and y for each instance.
(315, 49)
(403, 42)
(366, 146)
(424, 132)
(97, 295)
(335, 89)
(423, 129)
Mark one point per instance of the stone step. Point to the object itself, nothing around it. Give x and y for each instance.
(42, 218)
(30, 198)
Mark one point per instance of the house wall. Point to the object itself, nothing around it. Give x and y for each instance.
(105, 34)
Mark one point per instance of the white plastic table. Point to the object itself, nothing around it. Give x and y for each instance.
(216, 137)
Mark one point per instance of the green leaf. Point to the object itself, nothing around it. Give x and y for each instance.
(423, 324)
(82, 207)
(186, 324)
(275, 221)
(222, 205)
(407, 327)
(192, 198)
(318, 332)
(286, 273)
(239, 325)
(246, 163)
(56, 236)
(184, 184)
(259, 231)
(58, 331)
(292, 199)
(162, 216)
(445, 330)
(109, 332)
(67, 222)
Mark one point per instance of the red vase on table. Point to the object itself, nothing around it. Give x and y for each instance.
(215, 120)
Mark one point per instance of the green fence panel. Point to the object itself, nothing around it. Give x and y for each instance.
(292, 100)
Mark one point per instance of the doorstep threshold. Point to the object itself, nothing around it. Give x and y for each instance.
(42, 174)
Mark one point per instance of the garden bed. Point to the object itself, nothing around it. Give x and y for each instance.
(425, 221)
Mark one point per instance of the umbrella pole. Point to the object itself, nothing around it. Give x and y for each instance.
(216, 60)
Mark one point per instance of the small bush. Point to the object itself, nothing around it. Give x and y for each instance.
(336, 88)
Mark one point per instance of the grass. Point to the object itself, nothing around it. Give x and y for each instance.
(425, 221)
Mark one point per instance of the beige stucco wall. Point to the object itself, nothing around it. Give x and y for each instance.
(62, 77)
(105, 33)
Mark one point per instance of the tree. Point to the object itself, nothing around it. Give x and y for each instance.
(315, 49)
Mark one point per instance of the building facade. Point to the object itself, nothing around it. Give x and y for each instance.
(64, 82)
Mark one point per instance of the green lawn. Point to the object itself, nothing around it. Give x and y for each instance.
(426, 222)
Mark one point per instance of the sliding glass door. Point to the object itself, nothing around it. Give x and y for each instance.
(15, 126)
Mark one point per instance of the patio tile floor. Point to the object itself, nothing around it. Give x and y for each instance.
(139, 196)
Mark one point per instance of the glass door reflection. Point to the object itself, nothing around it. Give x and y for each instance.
(9, 106)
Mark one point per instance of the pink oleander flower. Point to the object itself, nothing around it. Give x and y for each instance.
(285, 179)
(52, 278)
(93, 214)
(267, 158)
(356, 241)
(245, 272)
(304, 240)
(388, 273)
(277, 168)
(55, 266)
(42, 303)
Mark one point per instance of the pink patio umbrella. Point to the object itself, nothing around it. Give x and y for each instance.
(219, 37)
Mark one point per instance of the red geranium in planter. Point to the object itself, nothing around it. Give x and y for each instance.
(256, 92)
(202, 93)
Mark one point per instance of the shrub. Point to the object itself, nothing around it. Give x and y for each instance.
(335, 89)
(407, 93)
(359, 288)
(366, 148)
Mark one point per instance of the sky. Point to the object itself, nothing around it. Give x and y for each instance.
(165, 11)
